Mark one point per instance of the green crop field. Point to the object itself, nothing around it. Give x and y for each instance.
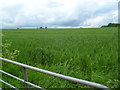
(85, 53)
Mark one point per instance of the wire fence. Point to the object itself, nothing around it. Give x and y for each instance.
(25, 80)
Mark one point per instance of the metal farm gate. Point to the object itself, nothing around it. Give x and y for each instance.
(27, 83)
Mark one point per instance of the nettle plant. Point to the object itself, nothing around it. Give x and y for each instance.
(7, 53)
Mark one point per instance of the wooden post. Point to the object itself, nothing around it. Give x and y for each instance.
(25, 78)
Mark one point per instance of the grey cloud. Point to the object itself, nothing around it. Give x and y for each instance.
(56, 14)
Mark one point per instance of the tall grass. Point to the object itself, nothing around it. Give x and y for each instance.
(89, 54)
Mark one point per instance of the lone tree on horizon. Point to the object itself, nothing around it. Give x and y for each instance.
(41, 27)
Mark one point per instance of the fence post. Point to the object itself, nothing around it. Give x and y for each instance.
(25, 78)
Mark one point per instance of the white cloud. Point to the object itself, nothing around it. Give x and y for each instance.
(115, 13)
(57, 13)
(94, 21)
(102, 19)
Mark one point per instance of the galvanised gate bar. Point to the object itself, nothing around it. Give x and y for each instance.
(27, 83)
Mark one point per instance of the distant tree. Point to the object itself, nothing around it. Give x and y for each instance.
(104, 26)
(41, 27)
(45, 27)
(112, 25)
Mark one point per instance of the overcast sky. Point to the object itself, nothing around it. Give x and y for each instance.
(57, 13)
